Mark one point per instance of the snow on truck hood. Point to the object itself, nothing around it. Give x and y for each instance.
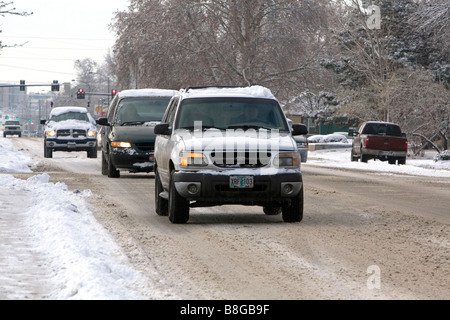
(219, 140)
(71, 124)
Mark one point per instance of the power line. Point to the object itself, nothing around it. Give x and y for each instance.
(55, 38)
(38, 70)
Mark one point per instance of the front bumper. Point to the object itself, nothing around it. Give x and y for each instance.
(12, 132)
(71, 145)
(214, 188)
(132, 161)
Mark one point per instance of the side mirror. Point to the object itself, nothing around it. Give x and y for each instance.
(103, 122)
(299, 129)
(163, 129)
(43, 122)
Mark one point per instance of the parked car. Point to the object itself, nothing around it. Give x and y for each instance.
(302, 144)
(127, 138)
(219, 146)
(315, 138)
(12, 128)
(333, 137)
(379, 140)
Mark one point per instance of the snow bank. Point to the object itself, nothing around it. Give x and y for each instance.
(11, 160)
(86, 262)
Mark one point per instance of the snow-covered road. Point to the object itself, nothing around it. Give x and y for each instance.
(52, 247)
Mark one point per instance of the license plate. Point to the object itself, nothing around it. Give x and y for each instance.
(241, 182)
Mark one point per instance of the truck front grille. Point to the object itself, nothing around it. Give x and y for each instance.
(245, 159)
(75, 133)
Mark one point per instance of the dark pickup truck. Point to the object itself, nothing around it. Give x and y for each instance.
(379, 140)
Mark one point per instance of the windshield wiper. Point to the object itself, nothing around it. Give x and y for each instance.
(190, 128)
(246, 127)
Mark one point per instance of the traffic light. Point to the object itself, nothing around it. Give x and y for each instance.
(22, 85)
(55, 85)
(81, 94)
(113, 93)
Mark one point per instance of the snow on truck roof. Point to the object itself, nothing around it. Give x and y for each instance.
(132, 93)
(249, 92)
(60, 110)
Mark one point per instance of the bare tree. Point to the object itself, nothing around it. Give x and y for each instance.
(385, 74)
(177, 43)
(5, 8)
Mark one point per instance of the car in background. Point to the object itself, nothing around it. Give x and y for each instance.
(328, 138)
(315, 138)
(302, 145)
(70, 129)
(127, 137)
(334, 137)
(12, 128)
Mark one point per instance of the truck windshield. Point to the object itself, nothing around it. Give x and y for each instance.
(12, 123)
(231, 113)
(70, 116)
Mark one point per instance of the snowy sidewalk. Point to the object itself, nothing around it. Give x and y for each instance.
(51, 245)
(22, 273)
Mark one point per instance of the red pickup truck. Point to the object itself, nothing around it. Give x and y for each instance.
(379, 140)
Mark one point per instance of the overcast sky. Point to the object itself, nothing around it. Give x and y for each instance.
(58, 33)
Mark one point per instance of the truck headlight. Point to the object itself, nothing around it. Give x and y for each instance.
(51, 133)
(287, 159)
(91, 134)
(188, 159)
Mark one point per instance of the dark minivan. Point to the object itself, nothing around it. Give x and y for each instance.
(128, 139)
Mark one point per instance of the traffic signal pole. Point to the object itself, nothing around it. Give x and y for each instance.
(55, 85)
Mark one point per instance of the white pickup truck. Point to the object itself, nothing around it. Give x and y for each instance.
(12, 128)
(218, 146)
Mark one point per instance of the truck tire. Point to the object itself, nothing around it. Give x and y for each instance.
(353, 157)
(271, 210)
(293, 212)
(402, 161)
(178, 206)
(364, 158)
(161, 204)
(92, 153)
(48, 152)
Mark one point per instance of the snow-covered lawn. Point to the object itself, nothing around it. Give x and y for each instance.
(340, 158)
